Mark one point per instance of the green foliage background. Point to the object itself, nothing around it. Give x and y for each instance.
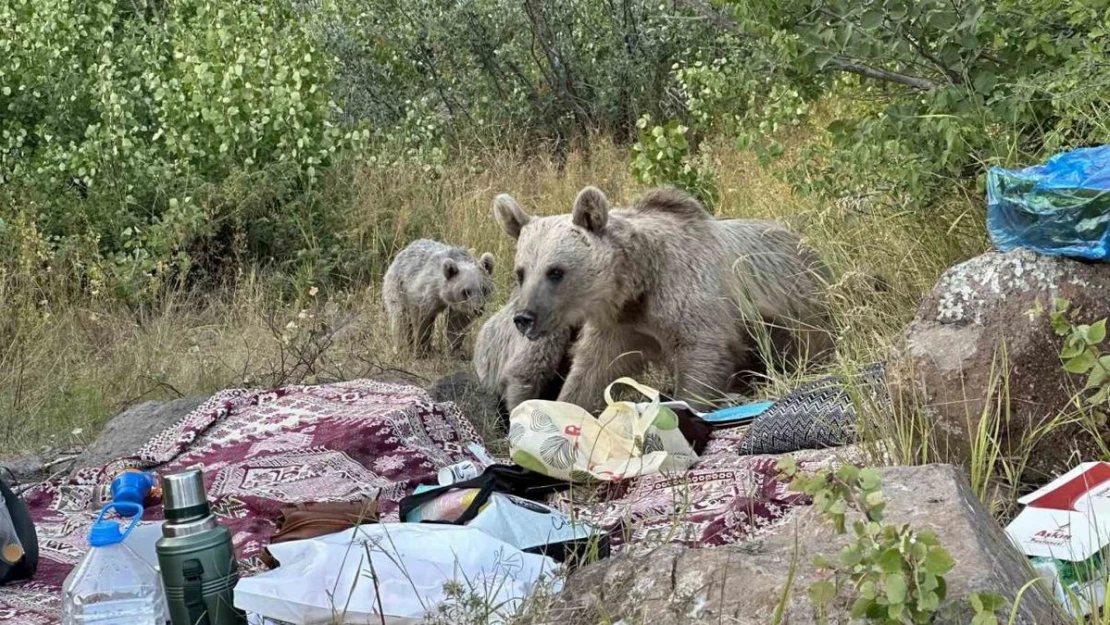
(146, 144)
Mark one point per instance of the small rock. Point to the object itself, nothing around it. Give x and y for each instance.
(477, 403)
(955, 345)
(399, 377)
(129, 431)
(23, 470)
(678, 586)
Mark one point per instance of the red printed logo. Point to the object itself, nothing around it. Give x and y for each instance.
(1057, 536)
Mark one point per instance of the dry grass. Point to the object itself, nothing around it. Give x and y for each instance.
(69, 365)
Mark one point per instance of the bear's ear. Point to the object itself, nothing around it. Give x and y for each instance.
(450, 268)
(591, 210)
(487, 262)
(510, 215)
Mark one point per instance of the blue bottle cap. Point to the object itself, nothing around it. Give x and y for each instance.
(105, 533)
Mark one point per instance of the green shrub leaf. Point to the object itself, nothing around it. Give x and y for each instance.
(895, 586)
(938, 562)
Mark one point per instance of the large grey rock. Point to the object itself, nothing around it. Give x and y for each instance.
(744, 585)
(953, 354)
(128, 431)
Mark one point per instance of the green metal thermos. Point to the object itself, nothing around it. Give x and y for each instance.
(195, 556)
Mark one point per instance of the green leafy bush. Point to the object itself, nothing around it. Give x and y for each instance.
(890, 574)
(939, 89)
(1082, 354)
(545, 75)
(661, 157)
(116, 114)
(171, 140)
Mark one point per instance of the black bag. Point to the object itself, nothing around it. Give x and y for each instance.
(511, 479)
(502, 478)
(21, 518)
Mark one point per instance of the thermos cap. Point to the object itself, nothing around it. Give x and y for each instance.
(183, 496)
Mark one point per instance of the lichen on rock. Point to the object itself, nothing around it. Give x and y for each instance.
(966, 289)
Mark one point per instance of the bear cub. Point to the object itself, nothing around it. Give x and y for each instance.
(517, 369)
(428, 278)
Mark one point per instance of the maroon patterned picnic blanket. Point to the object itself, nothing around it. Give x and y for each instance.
(724, 499)
(260, 450)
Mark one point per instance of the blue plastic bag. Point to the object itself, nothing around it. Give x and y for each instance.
(1061, 208)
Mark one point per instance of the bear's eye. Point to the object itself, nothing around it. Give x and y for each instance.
(520, 275)
(555, 274)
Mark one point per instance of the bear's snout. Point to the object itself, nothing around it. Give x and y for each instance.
(525, 322)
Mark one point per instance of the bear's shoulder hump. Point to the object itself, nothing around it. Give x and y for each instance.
(671, 202)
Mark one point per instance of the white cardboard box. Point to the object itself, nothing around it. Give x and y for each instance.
(1065, 528)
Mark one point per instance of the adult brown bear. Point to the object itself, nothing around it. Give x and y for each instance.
(664, 281)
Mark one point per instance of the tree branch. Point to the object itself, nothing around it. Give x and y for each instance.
(715, 17)
(879, 74)
(921, 84)
(923, 50)
(721, 20)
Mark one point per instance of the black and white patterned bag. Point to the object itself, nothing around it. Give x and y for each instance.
(818, 414)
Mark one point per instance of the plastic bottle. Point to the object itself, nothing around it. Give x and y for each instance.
(113, 585)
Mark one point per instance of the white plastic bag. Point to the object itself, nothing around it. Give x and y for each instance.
(528, 524)
(523, 523)
(330, 579)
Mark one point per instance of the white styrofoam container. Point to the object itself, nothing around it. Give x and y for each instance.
(1065, 528)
